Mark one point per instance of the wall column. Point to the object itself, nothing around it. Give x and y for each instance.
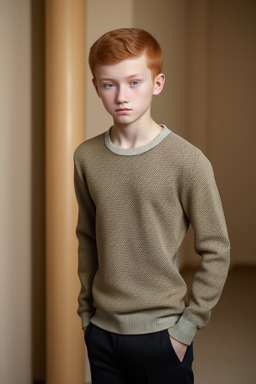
(65, 120)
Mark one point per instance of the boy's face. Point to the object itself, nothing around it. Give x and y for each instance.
(126, 89)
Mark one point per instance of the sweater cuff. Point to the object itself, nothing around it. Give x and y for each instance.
(183, 331)
(85, 318)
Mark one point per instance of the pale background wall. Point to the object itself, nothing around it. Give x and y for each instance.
(232, 118)
(209, 98)
(15, 193)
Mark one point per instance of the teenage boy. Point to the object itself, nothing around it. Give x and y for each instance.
(139, 186)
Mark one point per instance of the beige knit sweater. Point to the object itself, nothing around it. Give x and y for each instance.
(135, 206)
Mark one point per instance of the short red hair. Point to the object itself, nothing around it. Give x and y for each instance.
(124, 43)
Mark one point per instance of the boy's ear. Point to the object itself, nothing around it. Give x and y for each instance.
(159, 83)
(94, 81)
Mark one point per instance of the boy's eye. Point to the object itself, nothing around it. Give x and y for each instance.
(134, 83)
(108, 85)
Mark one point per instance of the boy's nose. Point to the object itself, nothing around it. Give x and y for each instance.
(121, 95)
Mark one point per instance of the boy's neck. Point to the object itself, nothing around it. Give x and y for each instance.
(135, 135)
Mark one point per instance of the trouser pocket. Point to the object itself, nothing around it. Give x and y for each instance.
(188, 357)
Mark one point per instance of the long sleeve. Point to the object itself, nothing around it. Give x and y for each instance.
(202, 205)
(87, 250)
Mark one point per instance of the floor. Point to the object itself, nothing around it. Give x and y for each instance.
(225, 350)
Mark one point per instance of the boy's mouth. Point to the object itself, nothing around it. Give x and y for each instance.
(123, 109)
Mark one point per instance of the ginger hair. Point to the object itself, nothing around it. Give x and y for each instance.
(125, 43)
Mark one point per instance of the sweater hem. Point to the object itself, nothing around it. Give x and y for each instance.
(132, 324)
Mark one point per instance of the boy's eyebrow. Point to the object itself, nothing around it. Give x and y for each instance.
(127, 77)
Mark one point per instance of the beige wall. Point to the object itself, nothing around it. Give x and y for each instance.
(15, 193)
(221, 115)
(232, 118)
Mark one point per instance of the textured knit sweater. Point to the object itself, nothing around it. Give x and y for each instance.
(135, 207)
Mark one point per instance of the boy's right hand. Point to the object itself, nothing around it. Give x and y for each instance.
(179, 348)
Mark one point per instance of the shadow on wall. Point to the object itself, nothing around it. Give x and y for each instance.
(38, 191)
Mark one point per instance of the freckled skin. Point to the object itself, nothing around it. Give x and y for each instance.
(126, 90)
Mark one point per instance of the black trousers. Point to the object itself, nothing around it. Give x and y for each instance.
(136, 359)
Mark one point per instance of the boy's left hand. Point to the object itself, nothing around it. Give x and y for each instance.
(179, 348)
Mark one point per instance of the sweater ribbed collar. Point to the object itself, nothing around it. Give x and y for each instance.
(139, 150)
